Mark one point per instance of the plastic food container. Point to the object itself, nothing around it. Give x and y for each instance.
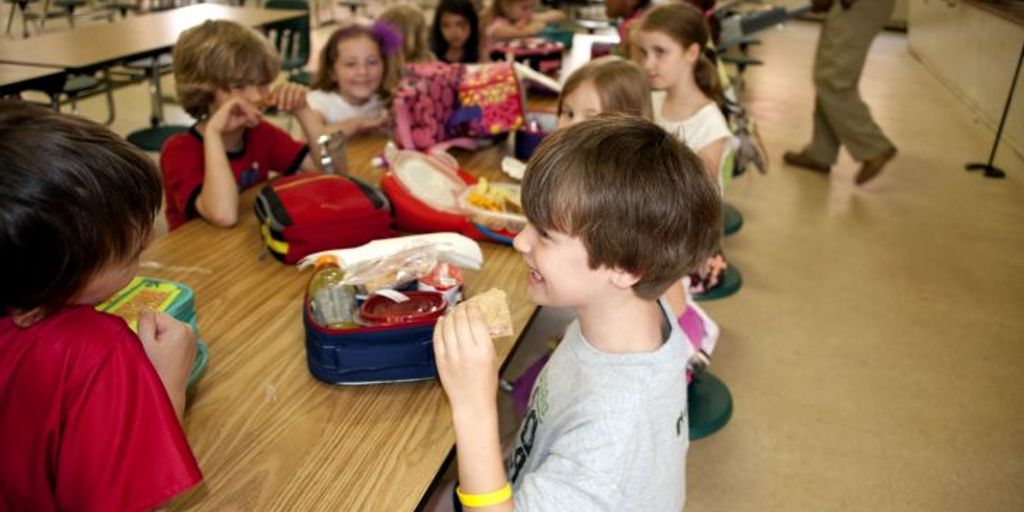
(490, 219)
(382, 310)
(445, 279)
(538, 126)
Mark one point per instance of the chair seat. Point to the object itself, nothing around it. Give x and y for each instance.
(302, 77)
(733, 219)
(162, 61)
(728, 284)
(78, 83)
(709, 403)
(152, 139)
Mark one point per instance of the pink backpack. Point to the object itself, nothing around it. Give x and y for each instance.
(439, 105)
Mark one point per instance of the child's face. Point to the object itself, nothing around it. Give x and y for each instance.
(258, 95)
(111, 278)
(662, 58)
(519, 10)
(455, 29)
(359, 69)
(580, 104)
(559, 273)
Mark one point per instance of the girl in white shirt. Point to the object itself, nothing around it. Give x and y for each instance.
(351, 87)
(669, 44)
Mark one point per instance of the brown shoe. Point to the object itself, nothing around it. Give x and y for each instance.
(873, 166)
(801, 160)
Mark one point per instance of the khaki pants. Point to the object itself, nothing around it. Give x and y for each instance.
(840, 115)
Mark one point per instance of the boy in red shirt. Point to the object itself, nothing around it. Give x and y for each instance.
(89, 412)
(223, 72)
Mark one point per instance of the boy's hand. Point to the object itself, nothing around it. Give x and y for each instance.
(466, 362)
(235, 113)
(289, 97)
(171, 348)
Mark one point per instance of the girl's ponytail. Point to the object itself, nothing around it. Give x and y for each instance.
(705, 73)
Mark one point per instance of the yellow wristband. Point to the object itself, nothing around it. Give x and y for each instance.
(486, 499)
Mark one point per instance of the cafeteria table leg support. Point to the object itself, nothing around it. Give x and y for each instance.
(110, 96)
(10, 19)
(156, 105)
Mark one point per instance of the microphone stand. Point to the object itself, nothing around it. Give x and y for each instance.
(992, 171)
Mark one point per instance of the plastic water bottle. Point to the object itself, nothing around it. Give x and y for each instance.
(333, 303)
(333, 158)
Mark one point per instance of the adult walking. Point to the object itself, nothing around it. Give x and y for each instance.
(841, 118)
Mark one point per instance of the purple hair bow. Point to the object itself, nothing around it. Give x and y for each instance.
(387, 36)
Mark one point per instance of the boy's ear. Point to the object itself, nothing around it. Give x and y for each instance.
(622, 278)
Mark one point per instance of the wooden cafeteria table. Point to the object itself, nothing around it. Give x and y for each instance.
(15, 78)
(266, 434)
(88, 48)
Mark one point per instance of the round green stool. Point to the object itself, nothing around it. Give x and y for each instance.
(709, 404)
(152, 139)
(733, 219)
(729, 283)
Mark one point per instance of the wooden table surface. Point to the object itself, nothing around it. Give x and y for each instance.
(266, 434)
(103, 44)
(15, 78)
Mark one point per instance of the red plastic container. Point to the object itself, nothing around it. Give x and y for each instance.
(381, 310)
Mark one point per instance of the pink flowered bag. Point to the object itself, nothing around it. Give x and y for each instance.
(491, 92)
(425, 99)
(440, 105)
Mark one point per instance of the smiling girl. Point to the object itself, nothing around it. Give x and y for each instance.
(351, 86)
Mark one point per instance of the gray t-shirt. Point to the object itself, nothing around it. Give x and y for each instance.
(605, 431)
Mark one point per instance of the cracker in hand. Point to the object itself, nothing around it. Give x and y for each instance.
(493, 305)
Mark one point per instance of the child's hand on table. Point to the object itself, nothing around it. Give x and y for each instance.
(466, 361)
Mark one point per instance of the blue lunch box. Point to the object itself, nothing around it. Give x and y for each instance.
(370, 355)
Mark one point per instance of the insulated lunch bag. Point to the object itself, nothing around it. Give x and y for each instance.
(312, 212)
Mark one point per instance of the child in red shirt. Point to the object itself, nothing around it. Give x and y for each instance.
(223, 71)
(89, 412)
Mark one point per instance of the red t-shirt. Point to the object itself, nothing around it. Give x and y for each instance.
(266, 148)
(85, 423)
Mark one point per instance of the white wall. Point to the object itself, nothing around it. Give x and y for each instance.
(974, 52)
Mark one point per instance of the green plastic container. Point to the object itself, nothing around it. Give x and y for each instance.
(175, 299)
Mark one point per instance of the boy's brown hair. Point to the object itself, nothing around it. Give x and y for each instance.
(74, 197)
(638, 199)
(220, 54)
(621, 85)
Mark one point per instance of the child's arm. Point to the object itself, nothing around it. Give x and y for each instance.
(171, 348)
(359, 125)
(711, 155)
(218, 200)
(468, 368)
(503, 30)
(549, 16)
(291, 97)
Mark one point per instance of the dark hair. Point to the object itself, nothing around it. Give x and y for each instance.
(220, 54)
(686, 25)
(466, 9)
(638, 198)
(74, 198)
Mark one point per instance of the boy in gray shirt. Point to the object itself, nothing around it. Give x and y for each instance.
(619, 210)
